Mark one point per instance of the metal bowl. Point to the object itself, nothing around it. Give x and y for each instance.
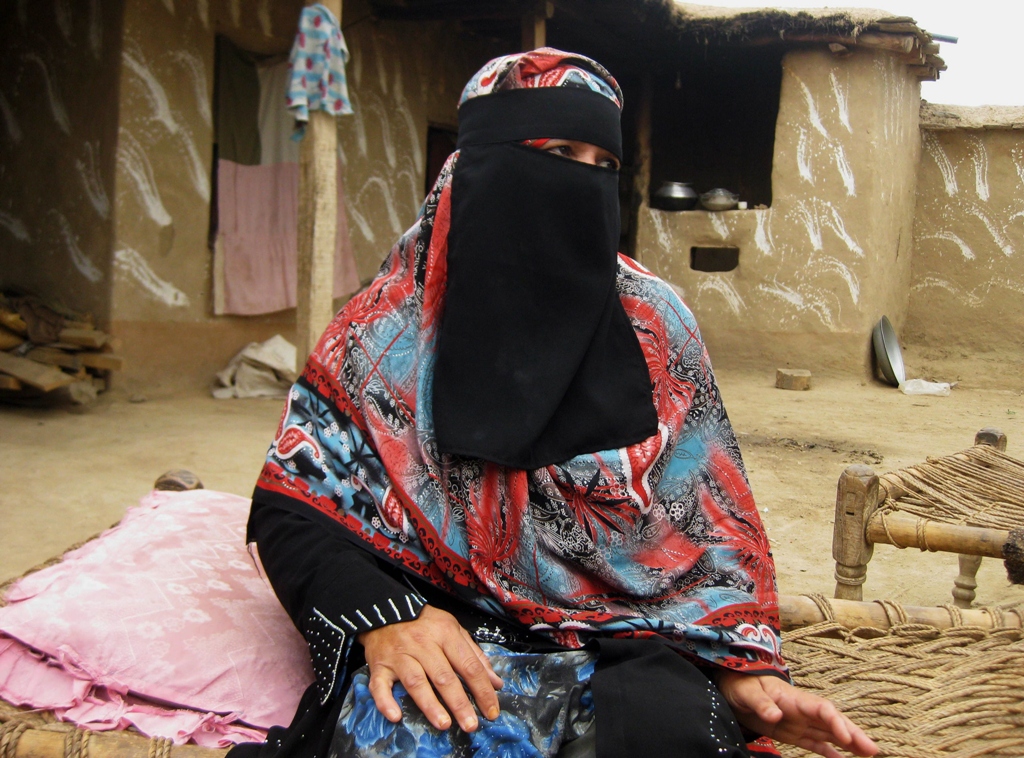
(888, 353)
(719, 199)
(675, 196)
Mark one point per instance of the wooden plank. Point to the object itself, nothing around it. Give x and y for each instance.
(13, 322)
(53, 357)
(905, 531)
(9, 339)
(9, 383)
(105, 361)
(318, 223)
(34, 374)
(798, 611)
(84, 337)
(535, 25)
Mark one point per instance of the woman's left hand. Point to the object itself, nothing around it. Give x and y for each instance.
(772, 707)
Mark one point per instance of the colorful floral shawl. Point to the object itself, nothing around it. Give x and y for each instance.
(659, 538)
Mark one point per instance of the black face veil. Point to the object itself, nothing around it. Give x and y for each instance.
(536, 359)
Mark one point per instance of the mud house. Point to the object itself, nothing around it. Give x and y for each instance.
(111, 108)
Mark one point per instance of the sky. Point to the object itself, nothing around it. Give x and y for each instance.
(984, 67)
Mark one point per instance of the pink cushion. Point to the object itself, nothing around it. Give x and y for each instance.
(167, 607)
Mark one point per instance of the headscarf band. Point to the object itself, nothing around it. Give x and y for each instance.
(547, 112)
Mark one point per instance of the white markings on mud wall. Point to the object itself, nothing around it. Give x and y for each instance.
(406, 112)
(803, 302)
(89, 173)
(835, 222)
(993, 228)
(154, 92)
(10, 123)
(845, 171)
(60, 115)
(133, 161)
(974, 297)
(80, 260)
(719, 225)
(196, 71)
(842, 101)
(835, 266)
(814, 214)
(15, 226)
(1018, 162)
(157, 96)
(931, 144)
(965, 251)
(725, 288)
(62, 15)
(169, 5)
(203, 11)
(811, 223)
(361, 222)
(95, 29)
(833, 147)
(384, 124)
(812, 108)
(763, 234)
(131, 264)
(197, 167)
(979, 157)
(803, 158)
(263, 15)
(380, 56)
(387, 196)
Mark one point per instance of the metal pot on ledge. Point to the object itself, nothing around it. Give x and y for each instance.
(674, 196)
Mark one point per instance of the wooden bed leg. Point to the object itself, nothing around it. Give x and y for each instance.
(966, 583)
(992, 437)
(856, 500)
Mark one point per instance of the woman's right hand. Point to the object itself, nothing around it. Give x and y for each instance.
(427, 654)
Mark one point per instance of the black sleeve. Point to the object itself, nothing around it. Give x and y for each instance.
(332, 589)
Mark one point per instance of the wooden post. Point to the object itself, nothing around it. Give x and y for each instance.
(966, 583)
(318, 223)
(535, 25)
(641, 165)
(856, 500)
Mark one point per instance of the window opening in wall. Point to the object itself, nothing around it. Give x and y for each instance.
(714, 258)
(440, 144)
(713, 121)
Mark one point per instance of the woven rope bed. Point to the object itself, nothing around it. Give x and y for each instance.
(919, 691)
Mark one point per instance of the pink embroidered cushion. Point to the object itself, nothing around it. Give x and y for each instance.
(167, 607)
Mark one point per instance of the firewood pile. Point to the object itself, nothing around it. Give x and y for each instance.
(44, 353)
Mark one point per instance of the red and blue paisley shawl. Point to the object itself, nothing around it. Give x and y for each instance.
(659, 538)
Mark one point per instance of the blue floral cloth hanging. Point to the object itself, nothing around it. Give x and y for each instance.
(318, 61)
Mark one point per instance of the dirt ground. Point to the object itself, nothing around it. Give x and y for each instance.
(67, 473)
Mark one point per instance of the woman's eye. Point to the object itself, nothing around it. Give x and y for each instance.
(564, 150)
(609, 163)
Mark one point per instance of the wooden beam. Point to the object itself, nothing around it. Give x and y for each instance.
(797, 611)
(34, 374)
(535, 25)
(318, 223)
(911, 531)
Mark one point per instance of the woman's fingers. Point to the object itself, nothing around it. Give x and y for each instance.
(492, 676)
(382, 680)
(471, 664)
(428, 656)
